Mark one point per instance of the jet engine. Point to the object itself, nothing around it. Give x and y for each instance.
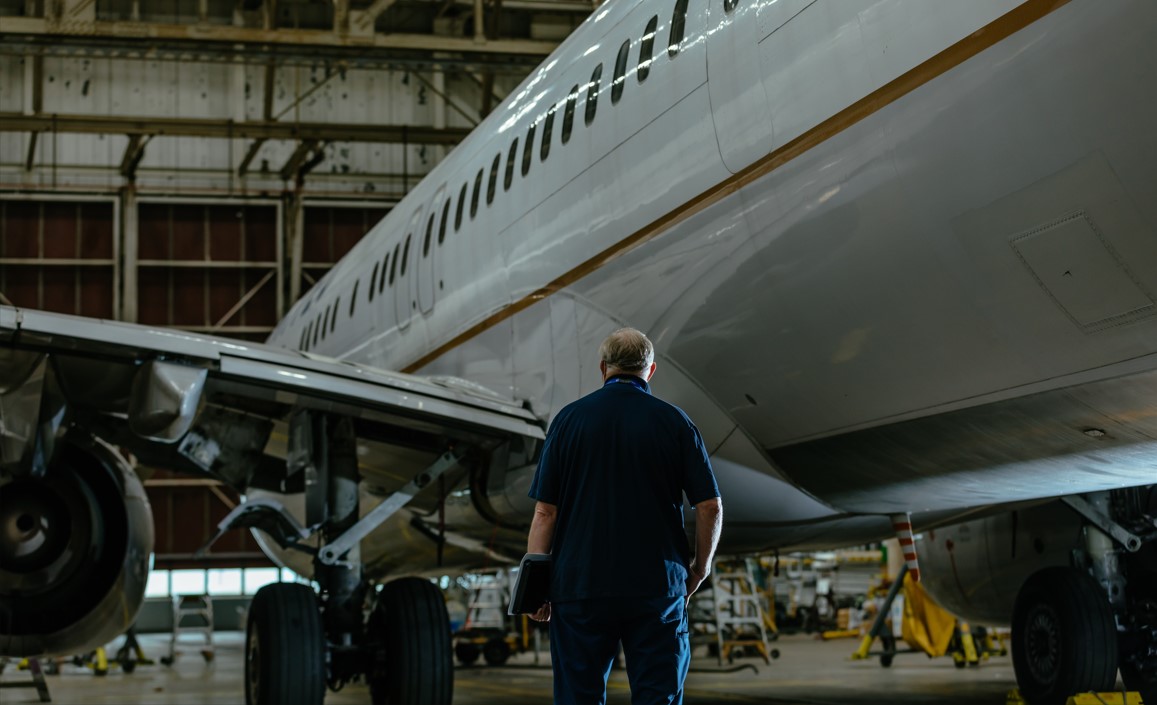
(75, 546)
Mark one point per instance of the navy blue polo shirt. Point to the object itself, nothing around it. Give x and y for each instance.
(617, 463)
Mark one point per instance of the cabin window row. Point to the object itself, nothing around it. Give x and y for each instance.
(386, 271)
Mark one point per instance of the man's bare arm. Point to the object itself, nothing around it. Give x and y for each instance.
(542, 528)
(708, 526)
(539, 541)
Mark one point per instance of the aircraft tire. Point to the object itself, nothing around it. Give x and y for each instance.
(284, 647)
(413, 660)
(1064, 638)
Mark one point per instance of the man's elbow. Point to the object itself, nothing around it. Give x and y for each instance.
(710, 507)
(545, 512)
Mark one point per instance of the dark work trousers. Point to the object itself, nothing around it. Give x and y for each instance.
(585, 637)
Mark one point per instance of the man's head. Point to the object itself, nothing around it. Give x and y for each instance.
(627, 351)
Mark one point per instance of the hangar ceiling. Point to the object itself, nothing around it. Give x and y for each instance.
(186, 96)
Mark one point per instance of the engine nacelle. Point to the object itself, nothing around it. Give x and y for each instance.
(75, 546)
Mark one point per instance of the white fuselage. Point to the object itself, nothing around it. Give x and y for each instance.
(863, 221)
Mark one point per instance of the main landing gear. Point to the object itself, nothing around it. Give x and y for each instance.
(1074, 627)
(299, 642)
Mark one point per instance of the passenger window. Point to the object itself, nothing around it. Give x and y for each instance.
(729, 5)
(620, 72)
(547, 129)
(406, 255)
(445, 221)
(429, 236)
(354, 297)
(678, 26)
(474, 198)
(461, 208)
(394, 263)
(301, 340)
(492, 185)
(325, 322)
(593, 94)
(528, 150)
(373, 278)
(510, 157)
(308, 335)
(646, 48)
(382, 279)
(333, 318)
(568, 114)
(317, 329)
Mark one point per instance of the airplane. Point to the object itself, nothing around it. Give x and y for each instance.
(898, 258)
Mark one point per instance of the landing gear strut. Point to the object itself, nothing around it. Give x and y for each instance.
(1073, 627)
(298, 643)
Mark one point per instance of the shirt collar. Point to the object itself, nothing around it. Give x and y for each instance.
(633, 380)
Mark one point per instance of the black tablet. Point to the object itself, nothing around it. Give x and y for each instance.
(532, 587)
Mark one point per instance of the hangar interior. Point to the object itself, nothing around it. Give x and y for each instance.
(200, 165)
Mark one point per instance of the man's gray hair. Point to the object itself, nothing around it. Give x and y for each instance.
(628, 350)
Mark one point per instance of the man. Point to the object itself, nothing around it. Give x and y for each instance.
(610, 487)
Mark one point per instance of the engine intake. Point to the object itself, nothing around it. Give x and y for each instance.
(75, 545)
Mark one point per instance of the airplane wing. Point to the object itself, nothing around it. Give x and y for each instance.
(206, 405)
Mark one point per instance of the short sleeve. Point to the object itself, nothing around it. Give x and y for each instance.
(548, 477)
(698, 477)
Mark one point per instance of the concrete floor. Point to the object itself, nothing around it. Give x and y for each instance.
(809, 672)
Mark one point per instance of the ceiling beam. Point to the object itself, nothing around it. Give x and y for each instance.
(30, 158)
(133, 155)
(297, 159)
(228, 129)
(198, 35)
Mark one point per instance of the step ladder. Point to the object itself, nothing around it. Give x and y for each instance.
(192, 617)
(488, 603)
(740, 618)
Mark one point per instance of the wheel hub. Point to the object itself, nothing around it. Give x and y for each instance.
(1042, 644)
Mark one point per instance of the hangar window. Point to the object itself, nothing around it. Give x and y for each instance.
(474, 197)
(492, 185)
(354, 297)
(620, 72)
(528, 150)
(445, 220)
(547, 129)
(593, 94)
(429, 236)
(394, 263)
(461, 207)
(510, 157)
(678, 26)
(373, 278)
(333, 318)
(568, 114)
(406, 255)
(382, 279)
(646, 48)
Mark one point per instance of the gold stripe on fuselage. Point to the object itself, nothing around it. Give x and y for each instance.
(987, 36)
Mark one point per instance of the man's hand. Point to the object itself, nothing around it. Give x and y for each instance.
(543, 614)
(695, 578)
